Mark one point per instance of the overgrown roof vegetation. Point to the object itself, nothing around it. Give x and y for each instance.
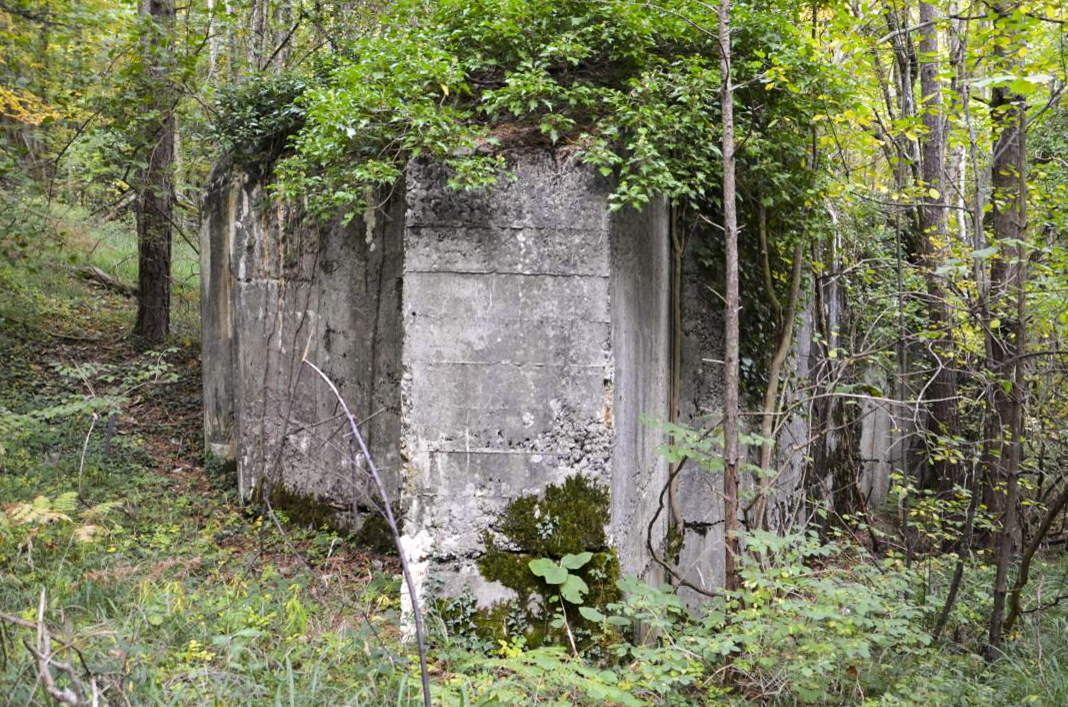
(633, 89)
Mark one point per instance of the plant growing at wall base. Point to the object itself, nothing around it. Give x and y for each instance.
(571, 587)
(560, 569)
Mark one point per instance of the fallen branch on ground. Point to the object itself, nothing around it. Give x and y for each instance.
(98, 276)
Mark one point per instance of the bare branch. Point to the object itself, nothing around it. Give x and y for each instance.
(417, 613)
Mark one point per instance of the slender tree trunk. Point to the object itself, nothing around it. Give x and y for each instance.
(233, 54)
(213, 45)
(771, 393)
(1007, 539)
(1004, 428)
(906, 67)
(156, 197)
(731, 416)
(1029, 554)
(943, 389)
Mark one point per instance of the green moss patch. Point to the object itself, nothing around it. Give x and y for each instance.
(311, 511)
(567, 519)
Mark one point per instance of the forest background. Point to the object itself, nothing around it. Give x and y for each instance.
(893, 170)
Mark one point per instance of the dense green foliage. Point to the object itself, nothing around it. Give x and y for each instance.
(633, 90)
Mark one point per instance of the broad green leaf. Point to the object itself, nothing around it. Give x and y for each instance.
(591, 614)
(573, 588)
(574, 562)
(548, 570)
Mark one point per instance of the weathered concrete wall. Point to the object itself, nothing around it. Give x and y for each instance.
(217, 316)
(278, 289)
(535, 339)
(886, 436)
(700, 494)
(495, 341)
(641, 344)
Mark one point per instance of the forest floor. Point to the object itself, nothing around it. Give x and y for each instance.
(131, 569)
(116, 538)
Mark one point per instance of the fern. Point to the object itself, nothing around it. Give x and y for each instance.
(42, 510)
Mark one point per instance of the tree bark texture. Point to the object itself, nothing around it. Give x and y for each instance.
(155, 210)
(1006, 277)
(943, 389)
(731, 414)
(1007, 339)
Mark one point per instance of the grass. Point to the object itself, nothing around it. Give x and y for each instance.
(42, 243)
(164, 590)
(170, 592)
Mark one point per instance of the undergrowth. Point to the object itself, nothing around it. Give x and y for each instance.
(42, 247)
(163, 592)
(159, 590)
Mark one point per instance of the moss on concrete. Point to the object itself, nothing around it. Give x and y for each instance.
(311, 511)
(374, 534)
(221, 473)
(301, 509)
(569, 518)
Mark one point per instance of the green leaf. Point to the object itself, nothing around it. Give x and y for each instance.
(574, 562)
(985, 252)
(548, 570)
(591, 614)
(573, 588)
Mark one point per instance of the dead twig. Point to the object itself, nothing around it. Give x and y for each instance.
(77, 693)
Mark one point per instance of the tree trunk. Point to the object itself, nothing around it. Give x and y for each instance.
(771, 393)
(943, 389)
(155, 185)
(1006, 276)
(731, 416)
(1024, 574)
(1006, 340)
(213, 45)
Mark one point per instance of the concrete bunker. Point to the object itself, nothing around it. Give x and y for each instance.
(491, 343)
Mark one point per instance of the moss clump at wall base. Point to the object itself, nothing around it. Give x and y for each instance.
(567, 519)
(310, 511)
(374, 534)
(300, 509)
(221, 473)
